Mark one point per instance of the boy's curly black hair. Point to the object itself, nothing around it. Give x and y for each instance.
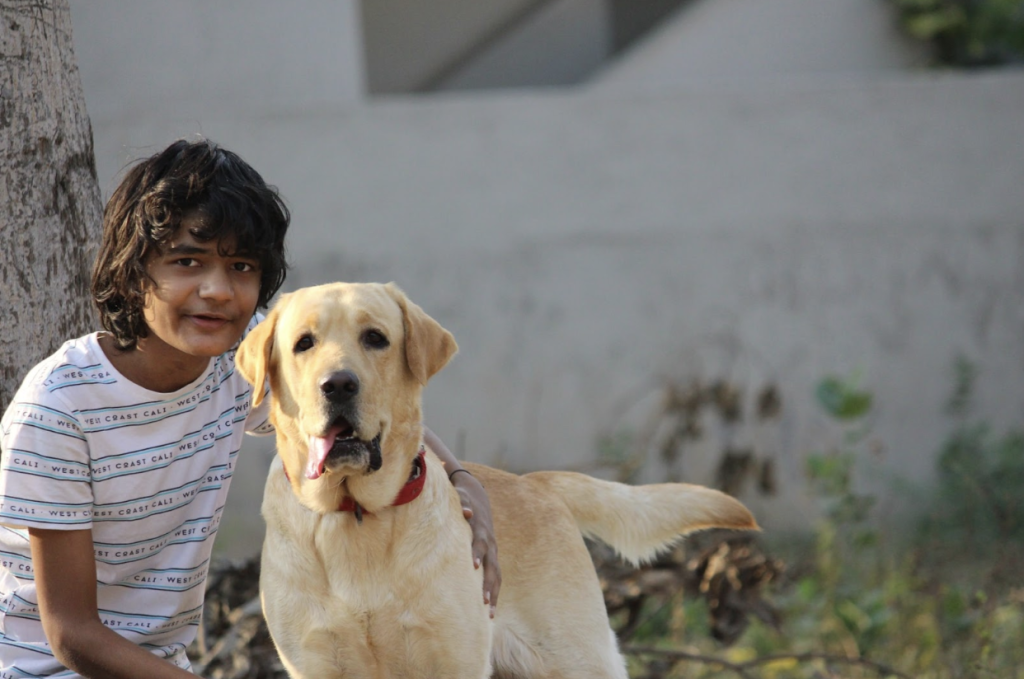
(186, 178)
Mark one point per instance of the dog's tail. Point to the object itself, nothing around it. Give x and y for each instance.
(640, 521)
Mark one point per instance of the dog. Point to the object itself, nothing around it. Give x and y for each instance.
(367, 569)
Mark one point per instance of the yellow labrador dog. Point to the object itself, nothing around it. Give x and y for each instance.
(367, 568)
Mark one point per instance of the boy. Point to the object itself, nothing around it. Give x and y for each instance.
(118, 450)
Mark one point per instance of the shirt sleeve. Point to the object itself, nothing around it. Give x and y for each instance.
(45, 469)
(257, 422)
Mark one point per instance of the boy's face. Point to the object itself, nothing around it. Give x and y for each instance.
(199, 302)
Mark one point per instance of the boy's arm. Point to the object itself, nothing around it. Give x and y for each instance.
(476, 507)
(65, 575)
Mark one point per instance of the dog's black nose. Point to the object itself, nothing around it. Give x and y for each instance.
(340, 386)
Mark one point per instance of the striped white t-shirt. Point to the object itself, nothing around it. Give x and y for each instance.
(83, 447)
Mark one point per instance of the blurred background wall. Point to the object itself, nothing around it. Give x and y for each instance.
(615, 205)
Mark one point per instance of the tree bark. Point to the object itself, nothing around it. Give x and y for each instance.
(50, 207)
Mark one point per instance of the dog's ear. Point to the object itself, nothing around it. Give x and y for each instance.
(253, 356)
(428, 346)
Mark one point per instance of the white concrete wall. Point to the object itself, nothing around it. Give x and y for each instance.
(189, 60)
(583, 247)
(561, 43)
(410, 42)
(745, 41)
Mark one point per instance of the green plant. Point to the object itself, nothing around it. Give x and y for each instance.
(980, 496)
(845, 535)
(967, 33)
(832, 473)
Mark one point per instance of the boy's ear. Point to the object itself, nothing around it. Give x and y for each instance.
(428, 346)
(253, 356)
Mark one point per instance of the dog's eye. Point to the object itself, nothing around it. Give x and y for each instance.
(305, 343)
(374, 339)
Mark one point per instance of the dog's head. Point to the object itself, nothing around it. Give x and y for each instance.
(347, 363)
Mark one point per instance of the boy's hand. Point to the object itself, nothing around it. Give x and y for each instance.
(476, 507)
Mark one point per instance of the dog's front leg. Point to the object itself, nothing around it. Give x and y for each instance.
(325, 654)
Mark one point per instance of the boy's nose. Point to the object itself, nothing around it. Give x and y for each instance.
(216, 285)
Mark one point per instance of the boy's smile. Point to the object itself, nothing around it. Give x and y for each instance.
(198, 304)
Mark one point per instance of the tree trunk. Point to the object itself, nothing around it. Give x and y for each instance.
(50, 207)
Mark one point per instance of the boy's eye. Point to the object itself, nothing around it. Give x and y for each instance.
(186, 261)
(244, 266)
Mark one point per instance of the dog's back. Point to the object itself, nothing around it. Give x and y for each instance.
(551, 619)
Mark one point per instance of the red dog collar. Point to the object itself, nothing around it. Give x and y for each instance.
(409, 492)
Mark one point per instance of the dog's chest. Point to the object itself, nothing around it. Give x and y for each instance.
(412, 628)
(398, 591)
(417, 601)
(366, 565)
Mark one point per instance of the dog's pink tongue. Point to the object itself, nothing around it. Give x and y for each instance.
(319, 447)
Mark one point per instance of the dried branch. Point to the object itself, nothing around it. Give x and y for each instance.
(741, 669)
(237, 637)
(682, 656)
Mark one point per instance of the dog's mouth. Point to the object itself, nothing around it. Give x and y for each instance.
(341, 446)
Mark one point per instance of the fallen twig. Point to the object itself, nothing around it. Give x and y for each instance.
(242, 617)
(679, 656)
(741, 668)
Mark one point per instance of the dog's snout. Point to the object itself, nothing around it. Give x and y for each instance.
(340, 386)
